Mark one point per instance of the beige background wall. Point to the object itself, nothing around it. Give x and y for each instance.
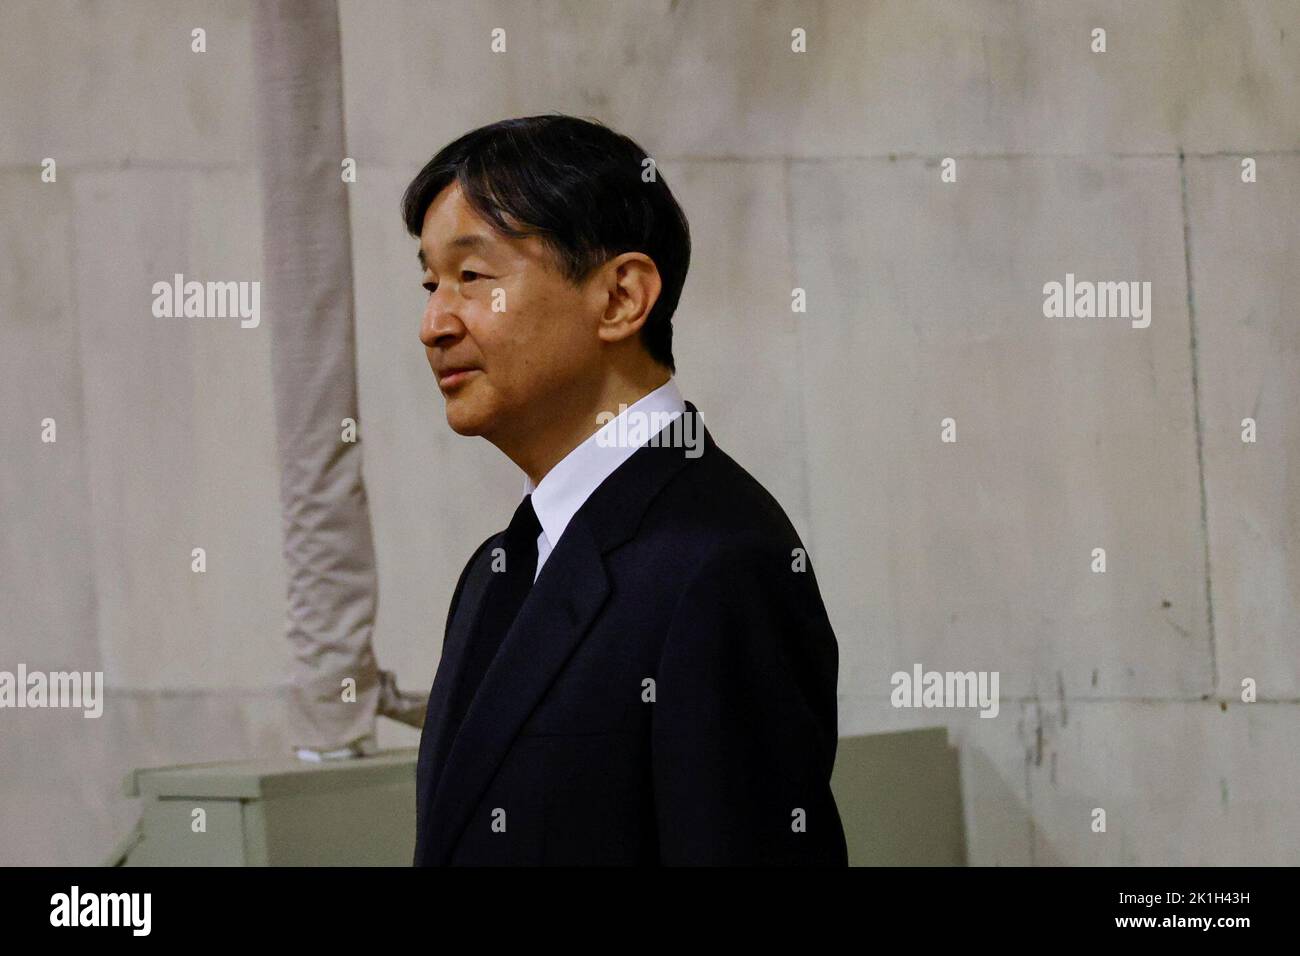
(816, 170)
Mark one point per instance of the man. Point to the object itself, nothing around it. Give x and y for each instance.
(640, 669)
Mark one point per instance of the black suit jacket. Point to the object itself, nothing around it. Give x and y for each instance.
(666, 695)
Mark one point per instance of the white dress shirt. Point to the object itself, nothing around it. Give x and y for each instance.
(565, 488)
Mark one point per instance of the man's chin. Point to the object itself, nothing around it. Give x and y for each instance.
(465, 421)
(471, 430)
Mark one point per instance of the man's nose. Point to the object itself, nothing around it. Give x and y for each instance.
(440, 325)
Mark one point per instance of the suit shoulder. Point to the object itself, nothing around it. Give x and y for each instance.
(479, 551)
(469, 566)
(725, 510)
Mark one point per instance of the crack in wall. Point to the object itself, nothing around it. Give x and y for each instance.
(1197, 418)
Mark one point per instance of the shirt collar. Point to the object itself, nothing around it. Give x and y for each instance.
(565, 488)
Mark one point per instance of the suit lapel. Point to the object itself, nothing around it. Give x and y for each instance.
(552, 622)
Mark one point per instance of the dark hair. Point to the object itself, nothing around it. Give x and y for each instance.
(575, 184)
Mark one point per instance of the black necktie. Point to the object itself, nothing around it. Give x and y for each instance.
(505, 595)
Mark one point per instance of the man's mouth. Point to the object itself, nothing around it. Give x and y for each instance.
(454, 377)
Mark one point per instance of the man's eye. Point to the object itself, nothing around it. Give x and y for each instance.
(467, 276)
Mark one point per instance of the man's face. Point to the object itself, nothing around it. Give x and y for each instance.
(522, 361)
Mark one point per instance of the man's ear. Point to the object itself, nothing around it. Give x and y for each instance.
(632, 283)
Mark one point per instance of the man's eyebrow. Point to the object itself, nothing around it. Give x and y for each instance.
(478, 243)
